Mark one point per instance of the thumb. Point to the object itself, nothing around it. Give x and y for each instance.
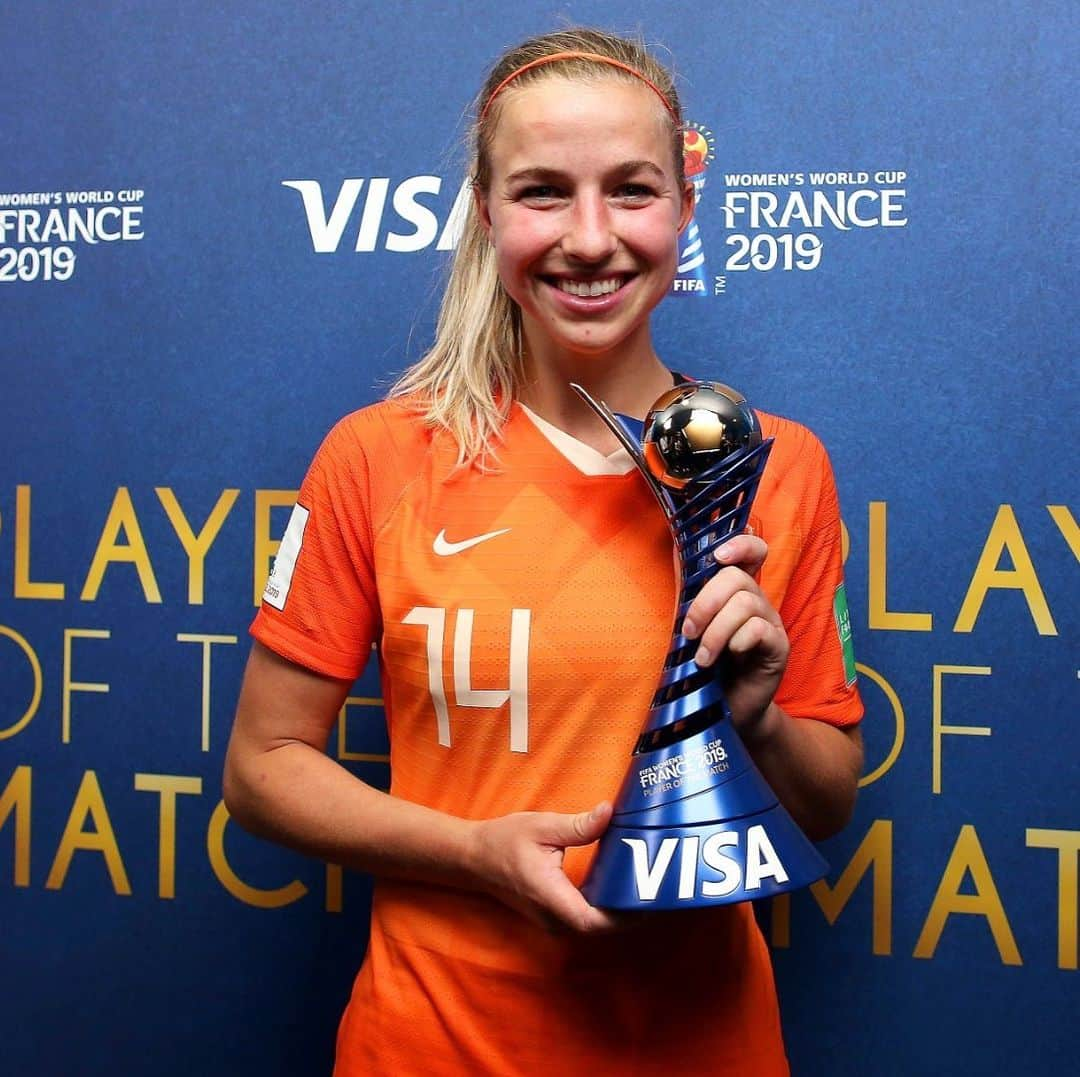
(586, 827)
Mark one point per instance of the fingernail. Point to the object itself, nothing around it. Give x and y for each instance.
(689, 629)
(596, 813)
(721, 553)
(703, 656)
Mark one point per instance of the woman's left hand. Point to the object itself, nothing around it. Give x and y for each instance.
(732, 612)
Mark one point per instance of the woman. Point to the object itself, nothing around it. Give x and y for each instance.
(486, 531)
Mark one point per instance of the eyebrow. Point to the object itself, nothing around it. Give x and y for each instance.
(620, 171)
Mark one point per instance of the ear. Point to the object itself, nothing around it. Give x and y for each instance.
(480, 200)
(686, 210)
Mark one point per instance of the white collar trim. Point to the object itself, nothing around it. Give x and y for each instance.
(584, 457)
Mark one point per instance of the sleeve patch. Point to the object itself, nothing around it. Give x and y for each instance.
(843, 631)
(277, 586)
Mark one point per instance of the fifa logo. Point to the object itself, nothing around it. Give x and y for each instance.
(698, 154)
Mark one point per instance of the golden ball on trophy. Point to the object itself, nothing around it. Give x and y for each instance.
(693, 427)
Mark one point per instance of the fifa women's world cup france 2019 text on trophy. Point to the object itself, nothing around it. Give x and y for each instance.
(694, 822)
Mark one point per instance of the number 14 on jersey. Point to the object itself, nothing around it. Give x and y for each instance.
(434, 619)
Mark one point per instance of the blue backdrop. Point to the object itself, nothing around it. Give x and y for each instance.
(223, 227)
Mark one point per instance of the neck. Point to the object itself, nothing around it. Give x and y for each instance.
(628, 382)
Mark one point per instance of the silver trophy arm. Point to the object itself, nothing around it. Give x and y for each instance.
(611, 421)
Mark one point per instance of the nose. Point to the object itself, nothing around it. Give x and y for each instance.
(590, 234)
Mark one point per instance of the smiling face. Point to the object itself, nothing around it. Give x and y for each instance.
(584, 207)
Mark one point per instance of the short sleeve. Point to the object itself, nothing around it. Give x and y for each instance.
(820, 680)
(320, 606)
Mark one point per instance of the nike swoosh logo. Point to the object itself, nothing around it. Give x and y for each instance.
(445, 549)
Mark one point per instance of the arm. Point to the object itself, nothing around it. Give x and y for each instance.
(812, 766)
(280, 784)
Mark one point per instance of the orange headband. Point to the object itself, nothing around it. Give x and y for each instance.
(596, 57)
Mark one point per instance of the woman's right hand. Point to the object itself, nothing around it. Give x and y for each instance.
(280, 784)
(519, 860)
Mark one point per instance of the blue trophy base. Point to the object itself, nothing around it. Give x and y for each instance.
(695, 824)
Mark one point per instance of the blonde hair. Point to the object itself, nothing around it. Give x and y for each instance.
(469, 377)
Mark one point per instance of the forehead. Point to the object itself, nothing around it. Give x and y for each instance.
(560, 121)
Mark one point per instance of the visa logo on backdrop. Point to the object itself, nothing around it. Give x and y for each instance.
(357, 214)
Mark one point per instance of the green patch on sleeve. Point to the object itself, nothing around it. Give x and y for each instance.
(843, 630)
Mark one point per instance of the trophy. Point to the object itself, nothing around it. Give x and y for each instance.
(695, 823)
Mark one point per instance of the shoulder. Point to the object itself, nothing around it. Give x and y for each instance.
(387, 440)
(394, 425)
(798, 457)
(368, 458)
(794, 445)
(792, 439)
(797, 512)
(797, 487)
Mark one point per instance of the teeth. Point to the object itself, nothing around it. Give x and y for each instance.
(590, 288)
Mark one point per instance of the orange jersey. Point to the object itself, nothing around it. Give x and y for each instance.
(522, 617)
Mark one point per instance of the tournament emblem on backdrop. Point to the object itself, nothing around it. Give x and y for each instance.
(698, 154)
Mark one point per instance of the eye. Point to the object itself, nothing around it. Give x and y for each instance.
(539, 193)
(635, 192)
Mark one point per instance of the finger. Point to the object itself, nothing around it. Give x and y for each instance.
(745, 550)
(743, 610)
(568, 905)
(624, 920)
(759, 635)
(581, 829)
(713, 597)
